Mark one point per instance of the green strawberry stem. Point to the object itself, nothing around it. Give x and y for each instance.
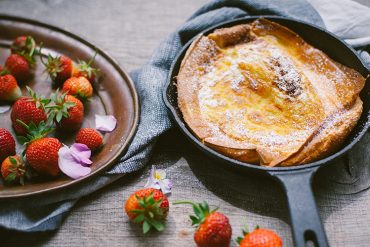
(245, 232)
(150, 214)
(34, 131)
(201, 211)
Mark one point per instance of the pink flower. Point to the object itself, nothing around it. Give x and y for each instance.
(105, 123)
(75, 161)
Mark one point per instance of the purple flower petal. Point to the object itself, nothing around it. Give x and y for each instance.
(69, 166)
(157, 180)
(81, 153)
(4, 108)
(106, 123)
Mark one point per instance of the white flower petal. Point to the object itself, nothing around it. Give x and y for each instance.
(106, 123)
(160, 174)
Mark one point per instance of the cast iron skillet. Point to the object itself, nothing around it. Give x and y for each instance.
(296, 181)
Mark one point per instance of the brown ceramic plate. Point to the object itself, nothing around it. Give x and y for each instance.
(114, 95)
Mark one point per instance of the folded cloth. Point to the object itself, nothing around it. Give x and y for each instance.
(46, 212)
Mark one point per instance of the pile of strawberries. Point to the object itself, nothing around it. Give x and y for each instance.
(150, 207)
(34, 117)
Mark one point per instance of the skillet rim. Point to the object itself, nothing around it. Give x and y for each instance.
(209, 151)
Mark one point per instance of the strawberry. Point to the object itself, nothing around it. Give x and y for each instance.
(59, 68)
(19, 67)
(7, 144)
(213, 228)
(24, 45)
(260, 237)
(90, 137)
(86, 70)
(13, 169)
(9, 89)
(28, 109)
(67, 111)
(79, 87)
(148, 207)
(41, 151)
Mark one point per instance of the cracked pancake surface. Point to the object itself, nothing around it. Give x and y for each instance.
(259, 93)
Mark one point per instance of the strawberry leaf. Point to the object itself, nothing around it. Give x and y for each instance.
(13, 161)
(239, 240)
(146, 227)
(156, 224)
(140, 218)
(10, 177)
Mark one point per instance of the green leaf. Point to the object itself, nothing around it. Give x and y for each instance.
(13, 161)
(10, 177)
(22, 139)
(146, 227)
(239, 239)
(157, 225)
(198, 212)
(139, 218)
(151, 215)
(59, 116)
(194, 220)
(137, 211)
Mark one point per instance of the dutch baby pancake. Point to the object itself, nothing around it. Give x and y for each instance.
(260, 94)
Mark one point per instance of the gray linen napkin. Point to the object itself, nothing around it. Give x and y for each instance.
(46, 212)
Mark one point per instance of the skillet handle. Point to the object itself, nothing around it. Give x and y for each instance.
(304, 217)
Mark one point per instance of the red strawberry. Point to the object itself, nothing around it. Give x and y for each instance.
(19, 67)
(86, 70)
(12, 169)
(28, 109)
(67, 112)
(41, 151)
(79, 87)
(7, 144)
(59, 68)
(24, 45)
(260, 238)
(9, 89)
(90, 137)
(213, 228)
(148, 207)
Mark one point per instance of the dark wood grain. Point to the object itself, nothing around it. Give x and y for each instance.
(130, 30)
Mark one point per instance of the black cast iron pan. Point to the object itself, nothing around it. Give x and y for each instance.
(296, 181)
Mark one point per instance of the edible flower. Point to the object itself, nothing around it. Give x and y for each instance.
(158, 180)
(106, 123)
(74, 161)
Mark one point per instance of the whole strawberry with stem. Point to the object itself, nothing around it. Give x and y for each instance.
(19, 67)
(9, 89)
(83, 68)
(67, 111)
(90, 137)
(28, 109)
(259, 237)
(13, 169)
(7, 144)
(148, 207)
(24, 46)
(59, 68)
(213, 228)
(41, 151)
(79, 87)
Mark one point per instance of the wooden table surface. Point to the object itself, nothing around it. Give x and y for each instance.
(130, 30)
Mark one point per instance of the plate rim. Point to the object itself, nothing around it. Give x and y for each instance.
(136, 103)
